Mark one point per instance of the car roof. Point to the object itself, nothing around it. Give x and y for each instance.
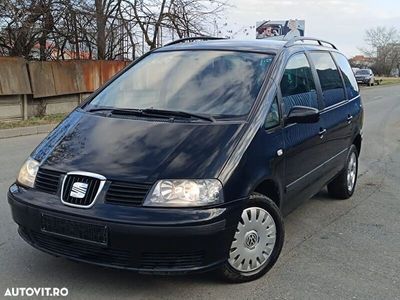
(262, 45)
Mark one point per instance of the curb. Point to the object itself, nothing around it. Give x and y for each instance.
(22, 131)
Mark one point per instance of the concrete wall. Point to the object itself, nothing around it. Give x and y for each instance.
(55, 104)
(11, 107)
(26, 88)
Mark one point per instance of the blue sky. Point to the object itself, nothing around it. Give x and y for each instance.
(342, 22)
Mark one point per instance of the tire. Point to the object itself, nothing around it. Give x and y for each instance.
(248, 243)
(343, 186)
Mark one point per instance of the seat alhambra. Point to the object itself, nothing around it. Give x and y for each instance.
(187, 160)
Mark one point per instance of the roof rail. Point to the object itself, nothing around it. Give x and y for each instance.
(195, 38)
(302, 39)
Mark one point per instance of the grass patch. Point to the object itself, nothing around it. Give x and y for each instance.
(34, 121)
(389, 80)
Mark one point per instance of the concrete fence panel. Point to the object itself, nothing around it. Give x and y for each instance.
(42, 80)
(35, 88)
(14, 79)
(90, 78)
(70, 77)
(110, 68)
(66, 75)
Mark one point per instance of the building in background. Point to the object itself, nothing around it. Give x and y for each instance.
(282, 30)
(361, 61)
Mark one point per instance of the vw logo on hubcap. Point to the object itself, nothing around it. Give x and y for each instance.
(251, 239)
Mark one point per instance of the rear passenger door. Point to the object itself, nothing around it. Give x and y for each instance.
(335, 117)
(352, 90)
(302, 141)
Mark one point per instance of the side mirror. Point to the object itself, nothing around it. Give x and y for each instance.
(302, 114)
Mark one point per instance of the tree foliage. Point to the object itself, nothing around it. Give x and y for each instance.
(100, 29)
(384, 47)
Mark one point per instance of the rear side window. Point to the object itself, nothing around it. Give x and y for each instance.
(331, 82)
(297, 84)
(348, 76)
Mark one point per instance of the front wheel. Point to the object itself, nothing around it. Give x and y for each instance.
(257, 242)
(343, 186)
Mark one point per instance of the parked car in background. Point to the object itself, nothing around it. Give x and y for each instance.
(188, 160)
(365, 76)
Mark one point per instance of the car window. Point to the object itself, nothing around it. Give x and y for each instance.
(329, 77)
(348, 76)
(218, 83)
(363, 72)
(297, 84)
(273, 116)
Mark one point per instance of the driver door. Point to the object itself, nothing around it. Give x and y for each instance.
(303, 159)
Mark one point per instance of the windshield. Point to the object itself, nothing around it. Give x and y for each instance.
(217, 83)
(362, 72)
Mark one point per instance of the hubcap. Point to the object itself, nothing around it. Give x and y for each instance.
(351, 172)
(254, 240)
(251, 239)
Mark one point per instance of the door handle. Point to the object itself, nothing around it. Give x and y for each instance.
(349, 118)
(321, 133)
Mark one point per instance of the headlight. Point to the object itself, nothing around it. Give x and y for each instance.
(185, 193)
(27, 174)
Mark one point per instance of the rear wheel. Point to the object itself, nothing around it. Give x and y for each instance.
(343, 186)
(257, 242)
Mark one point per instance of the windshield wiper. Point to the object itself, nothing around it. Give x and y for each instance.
(177, 113)
(95, 109)
(152, 112)
(121, 111)
(117, 111)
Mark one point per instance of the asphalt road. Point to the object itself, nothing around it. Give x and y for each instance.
(334, 249)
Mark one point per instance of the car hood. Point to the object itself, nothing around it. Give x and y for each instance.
(137, 149)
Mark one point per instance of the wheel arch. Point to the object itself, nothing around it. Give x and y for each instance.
(270, 188)
(357, 142)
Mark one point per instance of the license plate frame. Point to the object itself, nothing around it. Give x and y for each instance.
(75, 230)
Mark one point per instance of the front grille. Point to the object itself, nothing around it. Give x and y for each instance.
(171, 260)
(78, 249)
(47, 181)
(78, 230)
(149, 261)
(88, 194)
(127, 193)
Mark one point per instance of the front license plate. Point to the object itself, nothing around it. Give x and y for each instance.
(76, 230)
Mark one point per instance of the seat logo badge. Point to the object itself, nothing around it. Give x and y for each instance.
(79, 190)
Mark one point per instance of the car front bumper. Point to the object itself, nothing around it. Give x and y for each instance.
(363, 80)
(147, 240)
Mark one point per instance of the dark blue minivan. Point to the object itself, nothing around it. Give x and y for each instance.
(187, 160)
